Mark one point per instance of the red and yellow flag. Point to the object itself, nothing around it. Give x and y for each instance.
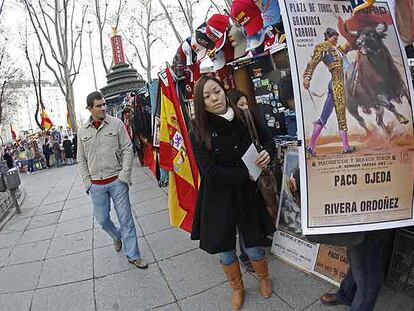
(13, 133)
(176, 156)
(46, 123)
(68, 120)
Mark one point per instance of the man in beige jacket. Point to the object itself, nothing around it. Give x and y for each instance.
(105, 163)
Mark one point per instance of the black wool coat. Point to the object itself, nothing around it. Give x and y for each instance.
(67, 146)
(227, 198)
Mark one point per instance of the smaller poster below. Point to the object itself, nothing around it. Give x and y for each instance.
(294, 250)
(331, 262)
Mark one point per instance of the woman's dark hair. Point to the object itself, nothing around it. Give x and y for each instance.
(92, 97)
(235, 95)
(200, 122)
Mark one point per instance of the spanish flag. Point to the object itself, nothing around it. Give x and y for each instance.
(176, 156)
(68, 120)
(358, 5)
(13, 133)
(46, 123)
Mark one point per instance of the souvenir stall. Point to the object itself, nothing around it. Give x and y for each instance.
(128, 98)
(293, 80)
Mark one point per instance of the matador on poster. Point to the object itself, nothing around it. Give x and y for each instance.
(353, 95)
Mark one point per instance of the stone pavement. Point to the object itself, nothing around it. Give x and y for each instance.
(53, 257)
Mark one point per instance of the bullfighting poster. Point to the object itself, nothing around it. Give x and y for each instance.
(353, 95)
(325, 261)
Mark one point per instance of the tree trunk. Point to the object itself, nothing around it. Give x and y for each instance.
(70, 103)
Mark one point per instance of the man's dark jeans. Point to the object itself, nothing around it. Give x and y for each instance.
(30, 167)
(362, 283)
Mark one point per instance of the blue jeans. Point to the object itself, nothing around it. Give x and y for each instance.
(101, 199)
(30, 167)
(255, 253)
(362, 283)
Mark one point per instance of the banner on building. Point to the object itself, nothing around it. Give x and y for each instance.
(353, 95)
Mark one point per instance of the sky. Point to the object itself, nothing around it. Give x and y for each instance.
(14, 17)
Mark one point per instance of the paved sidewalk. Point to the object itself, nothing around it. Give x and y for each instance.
(53, 257)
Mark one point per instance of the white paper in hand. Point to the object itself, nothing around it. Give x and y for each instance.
(249, 158)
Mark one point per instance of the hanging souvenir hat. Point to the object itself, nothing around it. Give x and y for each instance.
(198, 49)
(190, 55)
(238, 40)
(206, 65)
(218, 58)
(216, 29)
(247, 14)
(256, 40)
(274, 41)
(270, 11)
(202, 38)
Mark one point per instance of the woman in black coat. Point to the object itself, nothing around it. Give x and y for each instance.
(228, 200)
(67, 146)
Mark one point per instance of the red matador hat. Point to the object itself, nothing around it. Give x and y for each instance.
(216, 29)
(247, 14)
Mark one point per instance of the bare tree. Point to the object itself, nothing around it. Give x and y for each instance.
(60, 36)
(229, 3)
(1, 6)
(183, 12)
(171, 22)
(36, 84)
(187, 10)
(146, 34)
(101, 21)
(104, 19)
(9, 73)
(219, 7)
(122, 4)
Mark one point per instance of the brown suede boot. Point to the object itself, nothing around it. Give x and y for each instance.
(262, 272)
(234, 276)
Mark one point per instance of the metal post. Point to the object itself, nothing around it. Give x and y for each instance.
(30, 117)
(15, 202)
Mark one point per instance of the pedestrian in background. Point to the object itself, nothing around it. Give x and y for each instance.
(30, 159)
(47, 151)
(8, 158)
(105, 163)
(57, 152)
(75, 146)
(228, 201)
(67, 146)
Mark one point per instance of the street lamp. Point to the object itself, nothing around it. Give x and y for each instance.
(90, 48)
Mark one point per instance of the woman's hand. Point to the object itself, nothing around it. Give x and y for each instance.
(263, 159)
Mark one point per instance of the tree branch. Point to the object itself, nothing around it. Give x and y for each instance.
(170, 21)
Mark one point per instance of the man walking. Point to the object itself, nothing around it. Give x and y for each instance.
(105, 162)
(30, 159)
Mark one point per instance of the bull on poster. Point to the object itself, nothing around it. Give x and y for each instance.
(353, 95)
